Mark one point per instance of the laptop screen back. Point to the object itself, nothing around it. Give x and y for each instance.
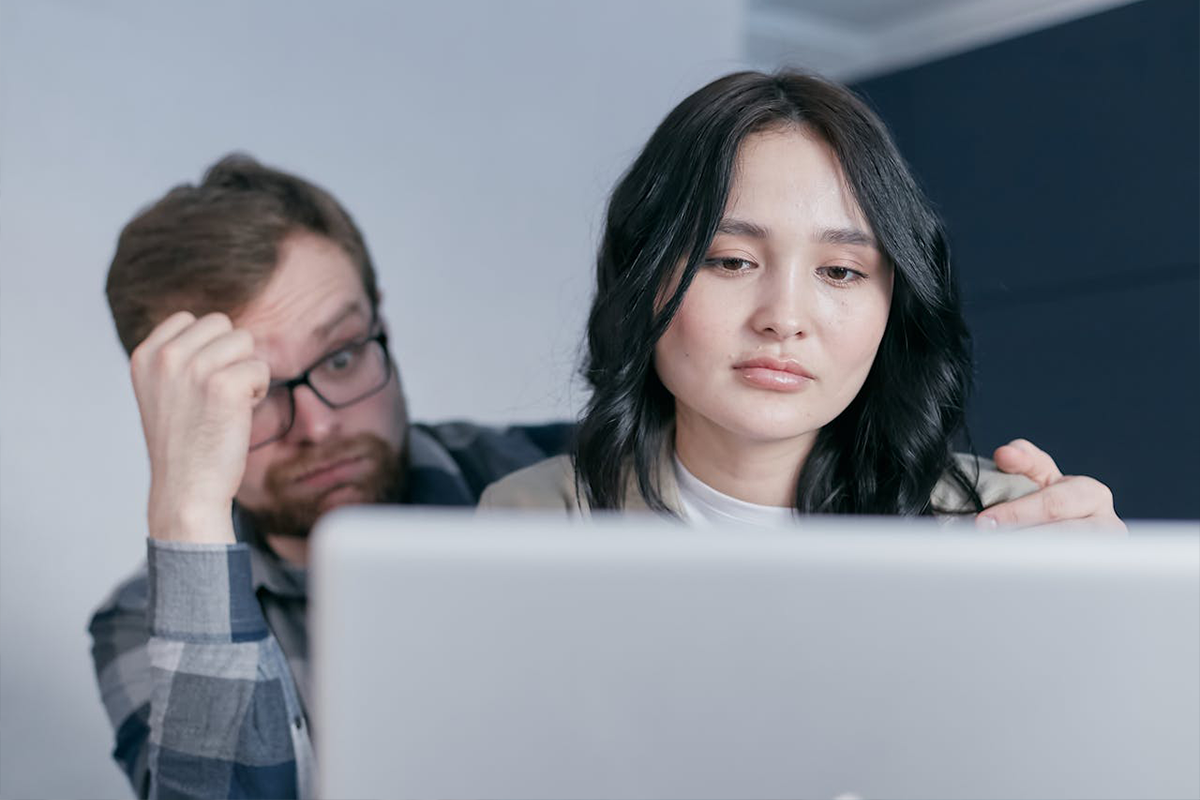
(457, 656)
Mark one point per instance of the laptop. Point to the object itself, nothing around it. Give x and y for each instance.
(519, 656)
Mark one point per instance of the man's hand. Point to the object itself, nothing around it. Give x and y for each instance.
(197, 382)
(1059, 499)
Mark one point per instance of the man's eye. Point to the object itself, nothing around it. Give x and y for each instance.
(344, 358)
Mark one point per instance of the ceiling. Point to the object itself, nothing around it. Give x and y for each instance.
(854, 39)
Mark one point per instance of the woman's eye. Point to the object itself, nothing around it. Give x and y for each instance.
(730, 264)
(840, 274)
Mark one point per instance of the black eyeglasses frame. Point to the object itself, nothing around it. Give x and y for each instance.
(291, 384)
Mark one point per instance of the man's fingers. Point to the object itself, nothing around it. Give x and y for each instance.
(227, 348)
(165, 331)
(1073, 498)
(243, 380)
(1022, 457)
(180, 349)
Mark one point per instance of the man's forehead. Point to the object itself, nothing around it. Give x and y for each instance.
(316, 326)
(352, 311)
(290, 346)
(315, 290)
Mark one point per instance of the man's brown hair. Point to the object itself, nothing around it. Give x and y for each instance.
(214, 247)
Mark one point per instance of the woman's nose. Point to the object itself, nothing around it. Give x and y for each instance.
(782, 310)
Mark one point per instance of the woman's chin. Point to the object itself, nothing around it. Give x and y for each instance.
(792, 435)
(759, 431)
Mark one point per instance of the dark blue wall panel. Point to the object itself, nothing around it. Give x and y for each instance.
(1067, 166)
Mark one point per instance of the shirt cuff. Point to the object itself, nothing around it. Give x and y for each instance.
(203, 593)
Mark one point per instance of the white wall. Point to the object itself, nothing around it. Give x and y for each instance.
(474, 142)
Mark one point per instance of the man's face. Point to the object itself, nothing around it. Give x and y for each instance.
(314, 305)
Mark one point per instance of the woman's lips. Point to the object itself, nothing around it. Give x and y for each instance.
(778, 375)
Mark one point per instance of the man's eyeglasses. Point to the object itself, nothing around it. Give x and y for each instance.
(353, 372)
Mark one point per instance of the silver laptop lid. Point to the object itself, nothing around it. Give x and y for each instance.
(456, 656)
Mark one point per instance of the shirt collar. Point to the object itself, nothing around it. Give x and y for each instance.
(434, 478)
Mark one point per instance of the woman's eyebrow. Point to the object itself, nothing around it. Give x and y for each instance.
(731, 226)
(847, 236)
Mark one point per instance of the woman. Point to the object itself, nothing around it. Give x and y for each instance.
(776, 328)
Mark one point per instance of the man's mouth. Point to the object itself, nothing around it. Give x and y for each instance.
(332, 473)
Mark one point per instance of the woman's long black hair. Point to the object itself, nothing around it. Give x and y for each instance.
(887, 450)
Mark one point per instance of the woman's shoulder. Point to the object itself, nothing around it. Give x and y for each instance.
(992, 485)
(546, 484)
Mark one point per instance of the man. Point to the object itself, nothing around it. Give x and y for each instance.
(271, 399)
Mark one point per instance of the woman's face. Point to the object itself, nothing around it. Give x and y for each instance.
(778, 330)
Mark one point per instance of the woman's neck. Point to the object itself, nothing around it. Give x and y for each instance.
(762, 472)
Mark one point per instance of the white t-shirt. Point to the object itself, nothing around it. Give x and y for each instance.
(704, 505)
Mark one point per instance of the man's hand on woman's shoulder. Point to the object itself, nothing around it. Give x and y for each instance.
(1059, 498)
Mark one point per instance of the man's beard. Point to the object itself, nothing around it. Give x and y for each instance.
(292, 514)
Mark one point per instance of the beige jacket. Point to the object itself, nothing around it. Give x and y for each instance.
(550, 484)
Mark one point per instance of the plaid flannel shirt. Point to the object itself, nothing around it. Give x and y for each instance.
(202, 655)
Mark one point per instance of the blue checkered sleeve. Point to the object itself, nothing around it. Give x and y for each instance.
(198, 691)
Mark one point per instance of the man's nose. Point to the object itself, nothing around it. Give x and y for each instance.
(314, 420)
(782, 310)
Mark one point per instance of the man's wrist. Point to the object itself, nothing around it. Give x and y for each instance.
(188, 521)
